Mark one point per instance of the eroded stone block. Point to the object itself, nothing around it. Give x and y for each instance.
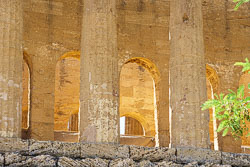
(42, 160)
(39, 161)
(146, 163)
(108, 151)
(68, 162)
(1, 160)
(12, 158)
(152, 154)
(123, 162)
(13, 145)
(67, 149)
(168, 164)
(97, 162)
(41, 147)
(235, 159)
(201, 156)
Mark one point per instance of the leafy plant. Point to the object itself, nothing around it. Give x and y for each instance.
(246, 67)
(239, 2)
(232, 110)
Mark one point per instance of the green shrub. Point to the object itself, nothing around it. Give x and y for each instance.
(239, 2)
(232, 110)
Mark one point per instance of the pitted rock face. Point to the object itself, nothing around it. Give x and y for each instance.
(42, 153)
(68, 162)
(123, 162)
(1, 159)
(13, 158)
(40, 161)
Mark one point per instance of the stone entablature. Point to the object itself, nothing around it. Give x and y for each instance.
(17, 152)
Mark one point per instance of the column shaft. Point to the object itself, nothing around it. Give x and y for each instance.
(11, 59)
(189, 125)
(99, 118)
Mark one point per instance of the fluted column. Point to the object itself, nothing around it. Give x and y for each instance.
(11, 59)
(189, 125)
(99, 118)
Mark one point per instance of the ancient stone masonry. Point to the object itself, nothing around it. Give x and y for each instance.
(99, 73)
(15, 152)
(89, 62)
(187, 75)
(11, 59)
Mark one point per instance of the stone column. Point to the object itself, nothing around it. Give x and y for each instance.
(42, 95)
(99, 118)
(11, 59)
(189, 125)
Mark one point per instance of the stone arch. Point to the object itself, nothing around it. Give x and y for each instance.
(28, 60)
(132, 126)
(212, 77)
(72, 54)
(212, 88)
(140, 118)
(147, 64)
(67, 88)
(154, 73)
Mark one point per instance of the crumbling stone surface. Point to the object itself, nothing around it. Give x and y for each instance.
(39, 161)
(13, 145)
(214, 165)
(146, 163)
(168, 164)
(67, 149)
(68, 162)
(201, 156)
(235, 159)
(104, 151)
(13, 158)
(1, 160)
(62, 154)
(41, 147)
(123, 162)
(152, 154)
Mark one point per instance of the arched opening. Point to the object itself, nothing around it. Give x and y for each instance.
(212, 87)
(245, 80)
(67, 88)
(131, 126)
(26, 96)
(138, 99)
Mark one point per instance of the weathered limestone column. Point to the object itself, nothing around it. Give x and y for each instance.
(42, 95)
(11, 59)
(99, 118)
(189, 125)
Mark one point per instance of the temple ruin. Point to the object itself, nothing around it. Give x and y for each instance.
(128, 72)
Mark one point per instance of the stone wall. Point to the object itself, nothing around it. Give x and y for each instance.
(14, 152)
